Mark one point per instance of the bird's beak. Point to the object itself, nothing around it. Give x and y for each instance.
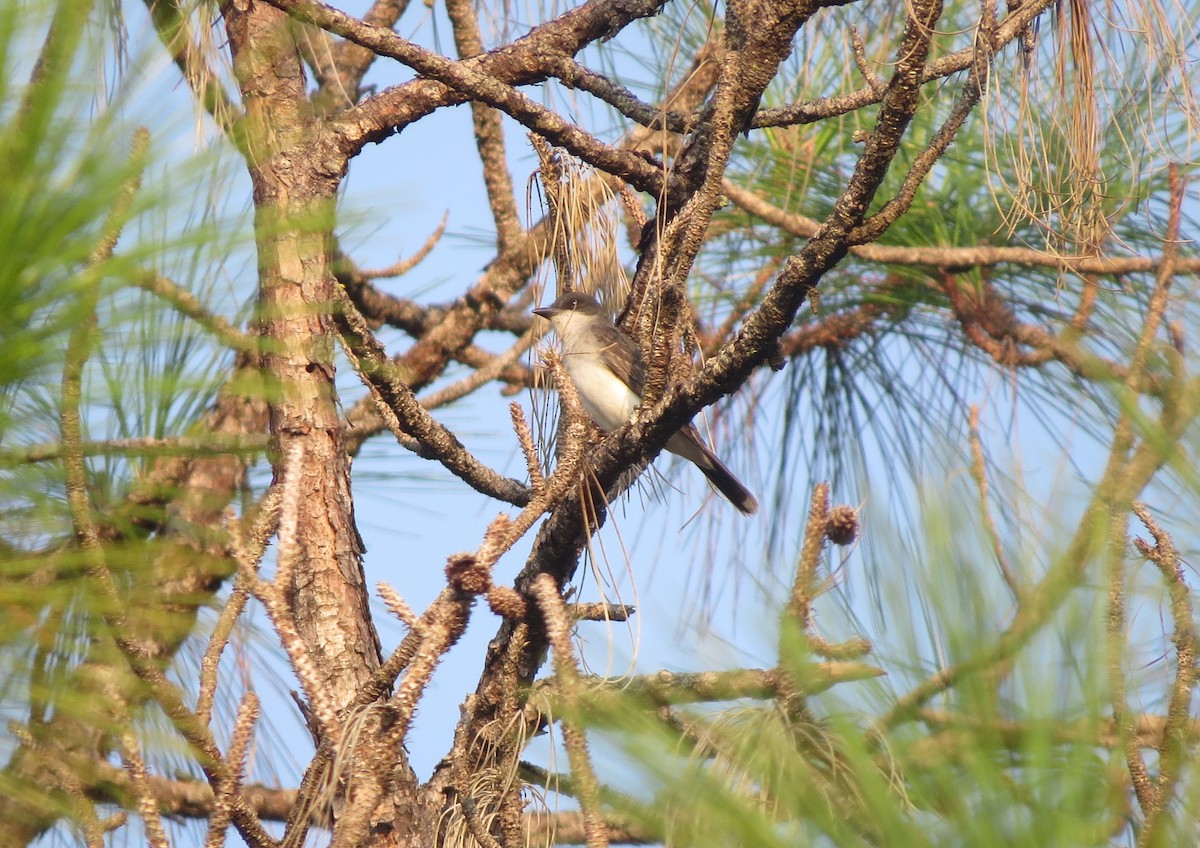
(546, 312)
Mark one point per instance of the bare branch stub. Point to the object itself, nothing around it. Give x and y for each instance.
(402, 266)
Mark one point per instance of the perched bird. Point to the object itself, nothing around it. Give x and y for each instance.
(606, 368)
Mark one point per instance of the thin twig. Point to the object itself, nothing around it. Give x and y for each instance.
(186, 303)
(860, 59)
(147, 804)
(974, 86)
(247, 544)
(231, 783)
(210, 663)
(273, 598)
(139, 446)
(537, 482)
(398, 606)
(672, 688)
(1010, 29)
(479, 376)
(595, 611)
(1174, 743)
(1116, 644)
(979, 473)
(566, 671)
(403, 266)
(799, 607)
(957, 258)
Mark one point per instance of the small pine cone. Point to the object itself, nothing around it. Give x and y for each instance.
(841, 527)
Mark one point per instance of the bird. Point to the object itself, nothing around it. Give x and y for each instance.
(606, 367)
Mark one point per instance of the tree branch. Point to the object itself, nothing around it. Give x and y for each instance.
(413, 419)
(487, 79)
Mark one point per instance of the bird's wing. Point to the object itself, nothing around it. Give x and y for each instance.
(621, 356)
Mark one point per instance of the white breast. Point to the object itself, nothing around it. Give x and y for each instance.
(608, 400)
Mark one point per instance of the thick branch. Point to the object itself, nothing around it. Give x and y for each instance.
(488, 79)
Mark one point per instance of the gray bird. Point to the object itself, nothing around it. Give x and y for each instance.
(606, 367)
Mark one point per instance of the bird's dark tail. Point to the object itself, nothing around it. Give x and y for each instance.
(687, 443)
(730, 487)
